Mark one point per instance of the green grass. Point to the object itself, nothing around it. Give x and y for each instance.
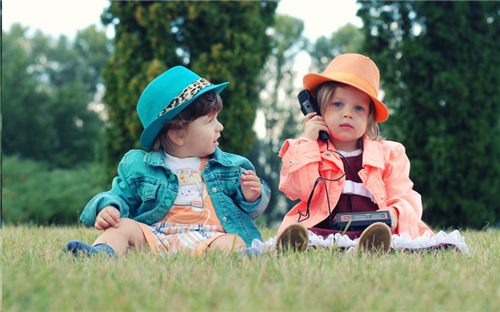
(37, 277)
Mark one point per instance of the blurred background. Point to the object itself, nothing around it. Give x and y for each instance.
(72, 73)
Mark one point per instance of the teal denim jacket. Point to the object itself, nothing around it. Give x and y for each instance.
(145, 190)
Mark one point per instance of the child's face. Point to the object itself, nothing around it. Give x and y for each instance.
(346, 116)
(200, 137)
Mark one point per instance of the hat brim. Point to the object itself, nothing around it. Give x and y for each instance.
(149, 134)
(312, 80)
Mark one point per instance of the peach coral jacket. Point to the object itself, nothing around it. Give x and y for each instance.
(385, 173)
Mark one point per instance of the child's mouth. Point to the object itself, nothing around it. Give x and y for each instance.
(346, 125)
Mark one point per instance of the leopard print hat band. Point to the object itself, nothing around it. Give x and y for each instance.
(187, 94)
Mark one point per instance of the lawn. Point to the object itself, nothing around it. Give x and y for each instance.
(37, 277)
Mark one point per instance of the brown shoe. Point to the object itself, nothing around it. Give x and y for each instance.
(294, 236)
(375, 238)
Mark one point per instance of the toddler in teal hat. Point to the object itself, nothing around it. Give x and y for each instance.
(186, 194)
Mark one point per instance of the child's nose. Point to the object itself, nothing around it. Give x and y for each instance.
(348, 113)
(220, 126)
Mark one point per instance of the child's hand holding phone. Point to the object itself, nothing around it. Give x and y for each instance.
(314, 125)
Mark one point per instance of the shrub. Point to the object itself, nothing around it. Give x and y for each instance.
(31, 192)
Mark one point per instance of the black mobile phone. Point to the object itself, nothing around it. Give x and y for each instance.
(308, 105)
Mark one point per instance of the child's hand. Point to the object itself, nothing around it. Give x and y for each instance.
(313, 124)
(250, 186)
(109, 216)
(394, 217)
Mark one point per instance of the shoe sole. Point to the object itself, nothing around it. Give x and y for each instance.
(375, 238)
(293, 237)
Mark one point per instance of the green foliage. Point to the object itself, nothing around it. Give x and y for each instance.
(438, 281)
(47, 86)
(277, 85)
(219, 40)
(439, 66)
(21, 98)
(348, 39)
(31, 192)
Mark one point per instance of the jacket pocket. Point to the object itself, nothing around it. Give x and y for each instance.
(151, 195)
(229, 181)
(147, 191)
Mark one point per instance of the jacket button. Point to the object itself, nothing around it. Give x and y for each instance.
(224, 219)
(230, 185)
(168, 202)
(290, 162)
(214, 190)
(171, 177)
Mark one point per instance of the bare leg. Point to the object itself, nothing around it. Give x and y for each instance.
(127, 234)
(230, 242)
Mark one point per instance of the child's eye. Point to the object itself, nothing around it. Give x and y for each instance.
(337, 104)
(360, 108)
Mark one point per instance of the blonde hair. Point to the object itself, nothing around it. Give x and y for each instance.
(206, 104)
(324, 92)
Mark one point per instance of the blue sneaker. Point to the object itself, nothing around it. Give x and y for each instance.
(250, 252)
(80, 248)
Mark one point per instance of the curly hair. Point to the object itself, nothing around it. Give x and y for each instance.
(206, 104)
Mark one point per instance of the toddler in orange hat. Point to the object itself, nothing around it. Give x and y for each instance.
(354, 170)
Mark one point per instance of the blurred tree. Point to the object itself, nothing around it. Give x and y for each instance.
(95, 49)
(278, 108)
(47, 86)
(24, 106)
(439, 64)
(219, 40)
(348, 39)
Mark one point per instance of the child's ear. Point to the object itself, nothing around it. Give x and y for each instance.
(176, 136)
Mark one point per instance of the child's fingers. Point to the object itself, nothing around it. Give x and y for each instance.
(109, 216)
(250, 179)
(249, 175)
(101, 224)
(309, 116)
(110, 220)
(115, 214)
(97, 226)
(252, 184)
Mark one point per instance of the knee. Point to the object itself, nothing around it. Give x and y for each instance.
(127, 229)
(228, 242)
(126, 222)
(124, 226)
(240, 242)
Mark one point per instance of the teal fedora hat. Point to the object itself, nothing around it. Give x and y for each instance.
(166, 96)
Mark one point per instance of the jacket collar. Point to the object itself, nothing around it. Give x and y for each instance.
(220, 157)
(157, 159)
(373, 155)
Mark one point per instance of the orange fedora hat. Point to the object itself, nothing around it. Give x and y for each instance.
(355, 70)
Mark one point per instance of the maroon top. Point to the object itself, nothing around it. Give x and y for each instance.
(350, 202)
